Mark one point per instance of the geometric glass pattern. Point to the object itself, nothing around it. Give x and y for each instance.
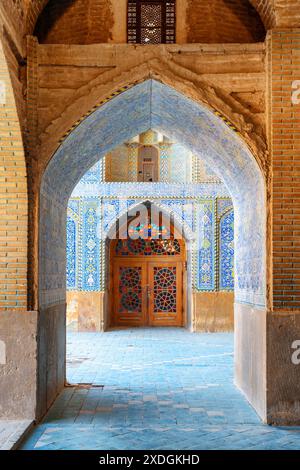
(227, 252)
(165, 298)
(151, 22)
(165, 247)
(142, 247)
(130, 289)
(148, 230)
(151, 19)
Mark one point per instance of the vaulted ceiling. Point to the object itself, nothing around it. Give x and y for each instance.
(272, 12)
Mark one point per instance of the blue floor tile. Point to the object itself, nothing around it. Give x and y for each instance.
(163, 388)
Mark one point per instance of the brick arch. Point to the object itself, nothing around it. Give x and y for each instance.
(223, 21)
(75, 22)
(272, 13)
(265, 9)
(34, 9)
(151, 104)
(93, 97)
(13, 198)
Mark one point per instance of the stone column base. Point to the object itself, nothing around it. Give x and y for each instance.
(18, 364)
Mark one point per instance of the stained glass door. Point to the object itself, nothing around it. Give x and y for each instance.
(165, 294)
(147, 282)
(130, 297)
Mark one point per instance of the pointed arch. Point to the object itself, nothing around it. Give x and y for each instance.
(266, 10)
(152, 104)
(179, 223)
(157, 106)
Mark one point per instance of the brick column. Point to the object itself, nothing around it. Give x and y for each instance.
(13, 199)
(18, 327)
(285, 135)
(283, 323)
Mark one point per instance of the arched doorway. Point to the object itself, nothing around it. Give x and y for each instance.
(147, 276)
(152, 104)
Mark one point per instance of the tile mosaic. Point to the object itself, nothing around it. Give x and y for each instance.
(153, 105)
(196, 217)
(208, 412)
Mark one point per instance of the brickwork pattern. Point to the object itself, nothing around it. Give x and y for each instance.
(79, 22)
(286, 13)
(13, 201)
(34, 9)
(266, 10)
(220, 21)
(25, 13)
(72, 80)
(285, 59)
(154, 389)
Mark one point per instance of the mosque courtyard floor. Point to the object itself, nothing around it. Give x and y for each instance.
(153, 389)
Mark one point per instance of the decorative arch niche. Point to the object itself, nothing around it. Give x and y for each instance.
(119, 240)
(153, 105)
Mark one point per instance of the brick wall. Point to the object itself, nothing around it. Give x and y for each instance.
(71, 79)
(87, 22)
(272, 12)
(266, 10)
(79, 22)
(34, 9)
(285, 120)
(13, 202)
(223, 21)
(12, 17)
(287, 13)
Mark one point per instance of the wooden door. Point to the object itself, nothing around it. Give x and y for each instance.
(147, 283)
(165, 298)
(129, 295)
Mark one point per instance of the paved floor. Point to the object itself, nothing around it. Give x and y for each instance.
(154, 389)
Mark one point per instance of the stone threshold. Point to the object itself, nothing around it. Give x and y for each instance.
(12, 433)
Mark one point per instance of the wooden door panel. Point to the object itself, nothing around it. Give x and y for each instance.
(130, 302)
(165, 299)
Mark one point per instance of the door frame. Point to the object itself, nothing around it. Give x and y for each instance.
(150, 259)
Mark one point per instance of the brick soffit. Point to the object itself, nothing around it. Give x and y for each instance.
(267, 10)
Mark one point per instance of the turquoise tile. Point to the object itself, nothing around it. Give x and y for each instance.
(200, 407)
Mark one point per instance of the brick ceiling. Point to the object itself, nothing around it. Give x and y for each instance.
(272, 12)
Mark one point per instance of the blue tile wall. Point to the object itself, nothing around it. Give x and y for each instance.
(86, 258)
(226, 234)
(72, 254)
(94, 174)
(153, 105)
(90, 253)
(207, 248)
